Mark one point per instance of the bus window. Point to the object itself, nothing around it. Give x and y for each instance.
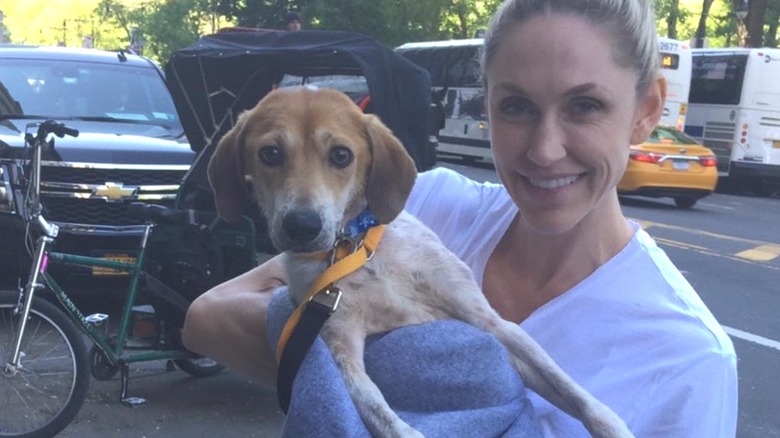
(718, 79)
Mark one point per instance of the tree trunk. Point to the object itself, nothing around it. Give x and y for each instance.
(755, 23)
(671, 20)
(701, 31)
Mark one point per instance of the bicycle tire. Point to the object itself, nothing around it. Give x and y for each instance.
(44, 396)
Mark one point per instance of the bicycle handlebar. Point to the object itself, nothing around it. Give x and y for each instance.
(56, 128)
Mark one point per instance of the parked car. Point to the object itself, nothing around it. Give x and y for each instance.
(670, 164)
(131, 147)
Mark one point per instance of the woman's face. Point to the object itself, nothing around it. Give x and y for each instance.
(562, 115)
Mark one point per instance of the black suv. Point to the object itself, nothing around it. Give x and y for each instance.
(131, 147)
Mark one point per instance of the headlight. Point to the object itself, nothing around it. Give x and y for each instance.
(6, 194)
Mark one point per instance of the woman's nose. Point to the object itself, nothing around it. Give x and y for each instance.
(547, 144)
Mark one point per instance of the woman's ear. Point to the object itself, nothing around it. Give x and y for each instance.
(392, 172)
(226, 174)
(649, 111)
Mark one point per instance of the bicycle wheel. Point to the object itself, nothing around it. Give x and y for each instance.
(48, 389)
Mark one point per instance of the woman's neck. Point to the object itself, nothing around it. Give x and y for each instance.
(528, 269)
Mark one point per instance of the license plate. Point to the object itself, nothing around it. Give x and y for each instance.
(97, 270)
(681, 165)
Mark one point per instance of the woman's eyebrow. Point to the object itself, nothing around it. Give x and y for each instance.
(582, 88)
(511, 88)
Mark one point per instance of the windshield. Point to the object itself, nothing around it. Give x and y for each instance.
(67, 89)
(355, 87)
(669, 135)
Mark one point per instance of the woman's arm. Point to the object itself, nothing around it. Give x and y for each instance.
(228, 322)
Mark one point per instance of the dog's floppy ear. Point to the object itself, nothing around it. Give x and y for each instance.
(226, 174)
(392, 172)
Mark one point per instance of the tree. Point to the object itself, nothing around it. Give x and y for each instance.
(462, 19)
(153, 23)
(267, 14)
(701, 30)
(671, 10)
(755, 23)
(162, 38)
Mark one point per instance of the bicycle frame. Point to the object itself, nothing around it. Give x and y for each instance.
(116, 353)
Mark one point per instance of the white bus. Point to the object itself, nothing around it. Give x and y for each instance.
(676, 67)
(455, 78)
(735, 111)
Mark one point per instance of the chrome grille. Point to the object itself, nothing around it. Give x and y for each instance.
(136, 177)
(65, 201)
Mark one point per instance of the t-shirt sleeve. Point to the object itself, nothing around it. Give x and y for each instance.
(446, 202)
(701, 401)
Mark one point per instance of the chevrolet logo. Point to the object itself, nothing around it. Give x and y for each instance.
(114, 192)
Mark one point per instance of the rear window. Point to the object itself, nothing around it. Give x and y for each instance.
(355, 87)
(662, 135)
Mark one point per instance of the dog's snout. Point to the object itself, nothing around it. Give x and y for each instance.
(302, 225)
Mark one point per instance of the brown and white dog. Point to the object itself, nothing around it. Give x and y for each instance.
(313, 161)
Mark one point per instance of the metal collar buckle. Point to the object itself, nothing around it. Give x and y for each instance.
(343, 245)
(328, 297)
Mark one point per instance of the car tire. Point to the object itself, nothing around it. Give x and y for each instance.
(685, 201)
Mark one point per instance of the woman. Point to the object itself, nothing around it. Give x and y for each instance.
(569, 84)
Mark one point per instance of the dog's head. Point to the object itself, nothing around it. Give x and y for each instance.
(313, 161)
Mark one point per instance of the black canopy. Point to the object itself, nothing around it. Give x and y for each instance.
(220, 75)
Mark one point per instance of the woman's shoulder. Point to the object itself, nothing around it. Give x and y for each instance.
(443, 187)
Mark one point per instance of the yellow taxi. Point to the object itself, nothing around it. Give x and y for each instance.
(670, 164)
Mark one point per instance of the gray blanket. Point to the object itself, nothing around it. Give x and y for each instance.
(445, 378)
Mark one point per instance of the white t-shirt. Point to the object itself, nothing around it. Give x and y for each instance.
(634, 333)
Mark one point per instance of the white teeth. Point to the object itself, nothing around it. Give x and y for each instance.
(552, 183)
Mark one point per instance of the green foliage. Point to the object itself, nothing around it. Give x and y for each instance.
(167, 25)
(160, 27)
(266, 14)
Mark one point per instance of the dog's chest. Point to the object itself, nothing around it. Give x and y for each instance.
(394, 288)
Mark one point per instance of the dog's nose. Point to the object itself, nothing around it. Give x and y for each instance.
(302, 225)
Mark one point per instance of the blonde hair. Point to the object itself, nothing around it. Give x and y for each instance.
(630, 23)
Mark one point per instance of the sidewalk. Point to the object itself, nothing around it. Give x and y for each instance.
(178, 405)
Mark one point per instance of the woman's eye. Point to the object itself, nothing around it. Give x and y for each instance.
(271, 155)
(517, 107)
(340, 156)
(581, 107)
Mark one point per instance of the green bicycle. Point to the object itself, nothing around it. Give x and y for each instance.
(46, 365)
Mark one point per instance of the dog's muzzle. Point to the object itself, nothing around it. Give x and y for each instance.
(302, 226)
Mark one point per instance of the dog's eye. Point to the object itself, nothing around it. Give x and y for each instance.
(270, 155)
(341, 156)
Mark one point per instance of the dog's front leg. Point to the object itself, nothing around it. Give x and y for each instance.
(347, 343)
(538, 370)
(546, 378)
